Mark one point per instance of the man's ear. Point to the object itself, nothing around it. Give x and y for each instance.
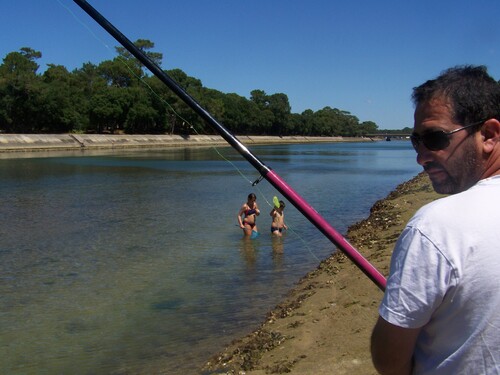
(490, 134)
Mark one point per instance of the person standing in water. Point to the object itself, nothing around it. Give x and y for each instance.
(278, 223)
(247, 215)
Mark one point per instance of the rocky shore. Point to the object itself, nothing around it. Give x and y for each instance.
(323, 326)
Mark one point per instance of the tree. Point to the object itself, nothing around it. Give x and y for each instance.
(143, 117)
(86, 82)
(58, 106)
(19, 91)
(20, 63)
(325, 122)
(260, 98)
(109, 109)
(118, 95)
(368, 127)
(212, 100)
(119, 73)
(88, 79)
(295, 125)
(348, 124)
(144, 45)
(308, 122)
(280, 108)
(274, 111)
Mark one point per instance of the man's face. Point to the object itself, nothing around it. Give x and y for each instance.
(455, 168)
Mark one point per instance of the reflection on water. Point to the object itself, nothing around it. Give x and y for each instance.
(131, 262)
(249, 250)
(278, 244)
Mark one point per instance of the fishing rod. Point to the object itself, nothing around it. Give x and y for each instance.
(293, 197)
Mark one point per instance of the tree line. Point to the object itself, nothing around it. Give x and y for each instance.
(119, 96)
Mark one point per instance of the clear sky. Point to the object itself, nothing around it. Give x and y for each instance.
(362, 56)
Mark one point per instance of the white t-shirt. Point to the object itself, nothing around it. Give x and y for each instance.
(445, 277)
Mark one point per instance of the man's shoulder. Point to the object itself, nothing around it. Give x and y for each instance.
(455, 206)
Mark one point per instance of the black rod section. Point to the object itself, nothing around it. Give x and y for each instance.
(266, 172)
(158, 72)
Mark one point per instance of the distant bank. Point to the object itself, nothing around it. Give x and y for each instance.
(48, 142)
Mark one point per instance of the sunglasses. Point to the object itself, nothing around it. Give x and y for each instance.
(438, 139)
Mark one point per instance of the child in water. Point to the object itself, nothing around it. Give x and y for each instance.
(278, 223)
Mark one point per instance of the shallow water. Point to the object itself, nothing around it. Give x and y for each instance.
(131, 261)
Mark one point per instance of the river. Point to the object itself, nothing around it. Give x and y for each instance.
(130, 262)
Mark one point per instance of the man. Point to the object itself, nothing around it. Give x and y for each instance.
(441, 309)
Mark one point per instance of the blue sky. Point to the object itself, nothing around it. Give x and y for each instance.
(361, 56)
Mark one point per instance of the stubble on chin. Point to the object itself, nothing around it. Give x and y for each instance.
(461, 174)
(444, 187)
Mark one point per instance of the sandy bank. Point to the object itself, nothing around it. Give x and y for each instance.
(323, 326)
(48, 142)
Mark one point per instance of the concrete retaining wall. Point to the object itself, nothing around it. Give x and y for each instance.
(45, 142)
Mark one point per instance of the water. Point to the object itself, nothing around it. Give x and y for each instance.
(131, 261)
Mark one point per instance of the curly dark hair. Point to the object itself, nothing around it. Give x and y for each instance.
(473, 94)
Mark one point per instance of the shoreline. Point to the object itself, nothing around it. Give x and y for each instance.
(323, 325)
(70, 142)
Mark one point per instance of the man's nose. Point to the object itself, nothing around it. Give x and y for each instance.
(424, 155)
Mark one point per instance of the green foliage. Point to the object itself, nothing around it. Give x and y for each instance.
(20, 91)
(119, 96)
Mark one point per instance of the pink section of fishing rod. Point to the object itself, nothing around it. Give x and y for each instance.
(320, 223)
(273, 178)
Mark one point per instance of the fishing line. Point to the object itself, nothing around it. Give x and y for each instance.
(272, 177)
(124, 62)
(164, 101)
(158, 96)
(305, 244)
(83, 24)
(203, 126)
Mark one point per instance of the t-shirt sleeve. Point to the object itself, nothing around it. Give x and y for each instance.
(419, 278)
